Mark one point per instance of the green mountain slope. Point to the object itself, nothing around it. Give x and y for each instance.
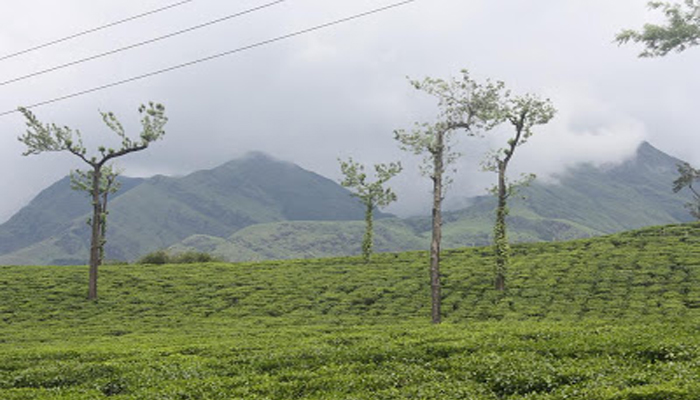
(637, 193)
(158, 212)
(303, 239)
(586, 201)
(258, 208)
(50, 213)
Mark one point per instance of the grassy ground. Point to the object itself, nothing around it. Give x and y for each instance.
(605, 318)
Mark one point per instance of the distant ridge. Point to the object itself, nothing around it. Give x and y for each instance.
(257, 207)
(50, 213)
(587, 201)
(149, 214)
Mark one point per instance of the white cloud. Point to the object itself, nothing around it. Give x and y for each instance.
(342, 91)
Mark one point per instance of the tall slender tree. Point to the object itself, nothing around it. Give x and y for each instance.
(371, 194)
(40, 138)
(680, 31)
(522, 113)
(463, 105)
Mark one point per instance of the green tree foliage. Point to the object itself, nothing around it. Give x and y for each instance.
(371, 194)
(464, 105)
(681, 30)
(687, 177)
(40, 138)
(522, 113)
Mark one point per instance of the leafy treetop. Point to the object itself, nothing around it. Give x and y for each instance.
(682, 29)
(523, 113)
(464, 104)
(50, 137)
(370, 192)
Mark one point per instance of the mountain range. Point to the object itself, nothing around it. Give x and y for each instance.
(150, 214)
(258, 207)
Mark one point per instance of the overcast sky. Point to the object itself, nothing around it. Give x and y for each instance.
(341, 91)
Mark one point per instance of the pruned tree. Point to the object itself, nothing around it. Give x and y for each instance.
(464, 105)
(687, 177)
(522, 113)
(372, 194)
(40, 138)
(82, 181)
(681, 29)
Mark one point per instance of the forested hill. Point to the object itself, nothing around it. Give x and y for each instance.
(154, 213)
(257, 208)
(585, 201)
(51, 213)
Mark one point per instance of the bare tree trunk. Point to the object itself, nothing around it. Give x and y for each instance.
(368, 240)
(103, 216)
(103, 229)
(502, 249)
(96, 233)
(437, 229)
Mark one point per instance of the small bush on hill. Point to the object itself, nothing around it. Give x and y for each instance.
(189, 257)
(157, 257)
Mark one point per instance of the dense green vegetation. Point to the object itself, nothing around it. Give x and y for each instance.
(268, 361)
(605, 318)
(161, 257)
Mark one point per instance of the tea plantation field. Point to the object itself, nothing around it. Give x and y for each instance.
(612, 318)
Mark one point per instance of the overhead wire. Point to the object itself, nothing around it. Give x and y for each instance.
(216, 56)
(93, 30)
(139, 44)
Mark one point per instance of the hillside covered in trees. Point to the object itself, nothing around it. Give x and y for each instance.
(258, 208)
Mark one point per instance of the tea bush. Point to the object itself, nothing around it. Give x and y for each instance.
(611, 318)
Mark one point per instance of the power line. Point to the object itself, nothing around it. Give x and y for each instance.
(135, 45)
(209, 58)
(93, 30)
